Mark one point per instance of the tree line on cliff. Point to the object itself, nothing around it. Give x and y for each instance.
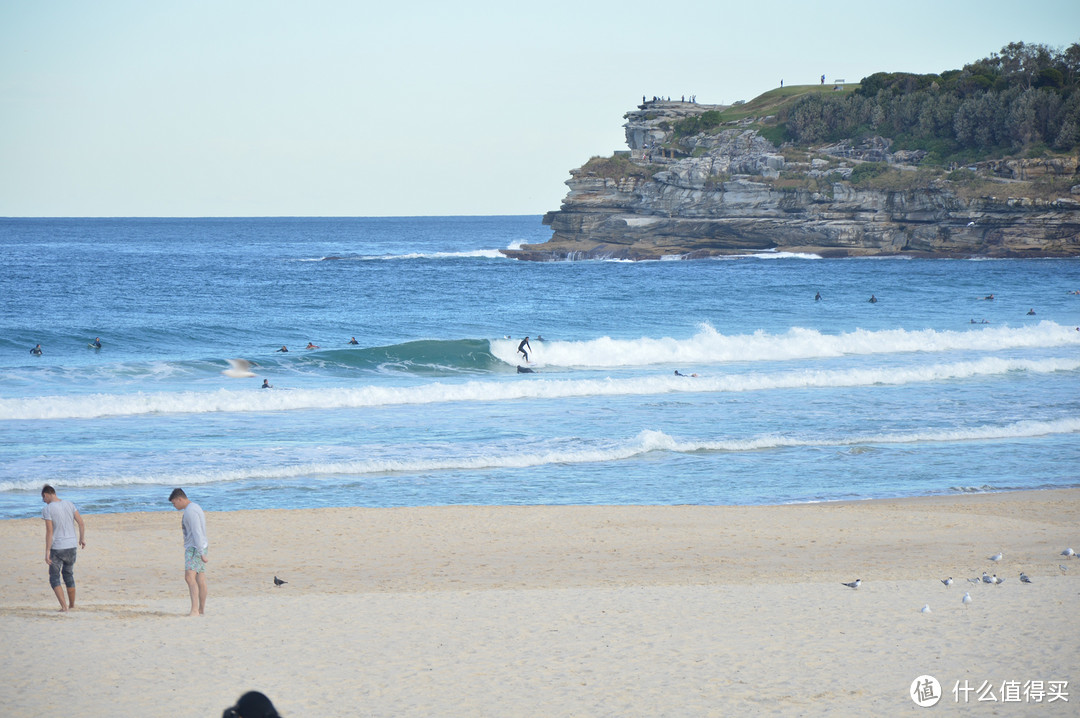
(1024, 99)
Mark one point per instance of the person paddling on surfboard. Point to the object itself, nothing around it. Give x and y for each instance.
(96, 344)
(521, 348)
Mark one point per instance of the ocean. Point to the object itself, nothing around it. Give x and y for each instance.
(932, 389)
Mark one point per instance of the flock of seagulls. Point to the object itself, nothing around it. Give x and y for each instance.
(993, 580)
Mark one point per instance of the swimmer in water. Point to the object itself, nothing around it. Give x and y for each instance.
(521, 348)
(311, 345)
(282, 349)
(873, 299)
(266, 384)
(96, 344)
(817, 297)
(353, 341)
(36, 351)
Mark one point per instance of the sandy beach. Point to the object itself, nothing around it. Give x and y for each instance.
(556, 611)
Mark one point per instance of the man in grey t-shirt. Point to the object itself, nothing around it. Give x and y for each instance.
(193, 524)
(60, 542)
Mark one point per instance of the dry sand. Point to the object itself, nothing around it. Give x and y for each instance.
(553, 611)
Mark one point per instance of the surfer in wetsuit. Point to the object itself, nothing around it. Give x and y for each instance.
(312, 345)
(36, 351)
(266, 384)
(873, 299)
(521, 348)
(817, 297)
(96, 344)
(353, 341)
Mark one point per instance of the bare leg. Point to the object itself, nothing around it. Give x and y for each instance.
(193, 589)
(71, 596)
(59, 591)
(200, 579)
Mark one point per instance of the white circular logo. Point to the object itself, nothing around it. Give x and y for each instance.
(925, 691)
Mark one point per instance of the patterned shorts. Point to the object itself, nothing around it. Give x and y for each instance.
(63, 562)
(193, 560)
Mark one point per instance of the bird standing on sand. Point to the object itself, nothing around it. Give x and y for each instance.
(278, 581)
(925, 609)
(966, 599)
(854, 584)
(1024, 578)
(947, 581)
(996, 557)
(1068, 552)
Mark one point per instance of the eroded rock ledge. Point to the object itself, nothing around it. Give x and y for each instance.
(732, 192)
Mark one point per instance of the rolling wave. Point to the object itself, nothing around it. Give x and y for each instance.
(439, 357)
(709, 346)
(468, 254)
(523, 388)
(645, 442)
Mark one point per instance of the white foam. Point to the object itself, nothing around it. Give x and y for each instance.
(237, 401)
(645, 442)
(709, 346)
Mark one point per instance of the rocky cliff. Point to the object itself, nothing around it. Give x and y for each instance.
(731, 191)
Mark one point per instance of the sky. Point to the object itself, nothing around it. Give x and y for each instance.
(336, 108)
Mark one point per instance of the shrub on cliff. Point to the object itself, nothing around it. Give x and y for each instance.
(617, 167)
(867, 171)
(1013, 101)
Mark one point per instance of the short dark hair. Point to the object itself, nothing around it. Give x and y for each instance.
(177, 494)
(46, 489)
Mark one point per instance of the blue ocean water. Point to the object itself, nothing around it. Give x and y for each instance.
(933, 389)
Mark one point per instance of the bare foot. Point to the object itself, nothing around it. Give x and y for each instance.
(194, 613)
(61, 610)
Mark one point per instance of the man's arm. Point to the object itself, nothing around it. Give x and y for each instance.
(48, 541)
(82, 529)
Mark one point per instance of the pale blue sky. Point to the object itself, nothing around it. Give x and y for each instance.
(327, 107)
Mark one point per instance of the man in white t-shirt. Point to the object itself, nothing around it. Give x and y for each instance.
(193, 524)
(60, 542)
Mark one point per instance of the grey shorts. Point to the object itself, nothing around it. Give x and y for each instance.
(63, 562)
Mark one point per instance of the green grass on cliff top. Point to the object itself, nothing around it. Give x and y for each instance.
(771, 102)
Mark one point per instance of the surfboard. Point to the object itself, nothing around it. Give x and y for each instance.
(93, 346)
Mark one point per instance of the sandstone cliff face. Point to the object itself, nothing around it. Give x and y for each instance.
(733, 192)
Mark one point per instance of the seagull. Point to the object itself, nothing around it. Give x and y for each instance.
(1024, 578)
(986, 578)
(947, 581)
(997, 581)
(971, 223)
(1068, 552)
(278, 581)
(996, 557)
(966, 599)
(239, 369)
(854, 584)
(1063, 567)
(974, 580)
(925, 609)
